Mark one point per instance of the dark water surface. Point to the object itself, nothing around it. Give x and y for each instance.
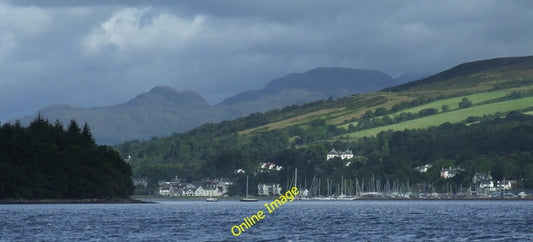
(297, 221)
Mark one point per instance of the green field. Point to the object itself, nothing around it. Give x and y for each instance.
(452, 102)
(451, 116)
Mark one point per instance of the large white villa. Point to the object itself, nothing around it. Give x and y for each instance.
(342, 154)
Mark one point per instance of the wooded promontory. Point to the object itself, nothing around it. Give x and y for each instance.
(47, 161)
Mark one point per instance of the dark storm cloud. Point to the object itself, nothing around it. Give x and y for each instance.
(89, 53)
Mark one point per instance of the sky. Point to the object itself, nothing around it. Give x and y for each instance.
(91, 53)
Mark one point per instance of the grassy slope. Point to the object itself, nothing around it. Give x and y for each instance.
(453, 102)
(342, 110)
(455, 116)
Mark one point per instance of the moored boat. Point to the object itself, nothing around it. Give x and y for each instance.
(247, 198)
(211, 198)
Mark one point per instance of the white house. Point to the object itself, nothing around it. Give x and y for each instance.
(486, 184)
(206, 192)
(269, 189)
(481, 176)
(423, 169)
(140, 182)
(268, 167)
(169, 188)
(506, 184)
(450, 172)
(342, 154)
(201, 192)
(164, 190)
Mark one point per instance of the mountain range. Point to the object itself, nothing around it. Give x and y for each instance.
(164, 110)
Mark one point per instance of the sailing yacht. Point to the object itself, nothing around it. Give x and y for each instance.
(211, 198)
(248, 199)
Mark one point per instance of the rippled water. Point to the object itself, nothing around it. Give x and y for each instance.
(302, 220)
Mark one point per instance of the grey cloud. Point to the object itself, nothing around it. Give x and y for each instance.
(91, 53)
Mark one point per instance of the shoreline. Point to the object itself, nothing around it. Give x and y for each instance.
(128, 200)
(155, 199)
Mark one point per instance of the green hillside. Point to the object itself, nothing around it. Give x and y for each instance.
(477, 74)
(472, 96)
(485, 103)
(452, 116)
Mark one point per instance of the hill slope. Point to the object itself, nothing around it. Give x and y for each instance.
(472, 72)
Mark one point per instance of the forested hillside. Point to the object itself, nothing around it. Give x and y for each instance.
(45, 161)
(502, 146)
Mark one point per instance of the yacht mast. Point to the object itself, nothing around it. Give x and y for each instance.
(295, 177)
(246, 185)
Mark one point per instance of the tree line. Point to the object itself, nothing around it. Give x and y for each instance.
(47, 161)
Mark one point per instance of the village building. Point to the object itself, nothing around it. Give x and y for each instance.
(506, 184)
(423, 169)
(140, 181)
(268, 167)
(164, 190)
(450, 172)
(179, 189)
(209, 191)
(481, 176)
(201, 192)
(188, 190)
(268, 189)
(169, 188)
(341, 154)
(485, 184)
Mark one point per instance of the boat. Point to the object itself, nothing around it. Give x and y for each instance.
(211, 198)
(247, 198)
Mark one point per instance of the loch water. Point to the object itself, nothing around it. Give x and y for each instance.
(168, 220)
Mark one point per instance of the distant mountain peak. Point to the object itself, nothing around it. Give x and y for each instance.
(168, 95)
(325, 69)
(312, 85)
(328, 79)
(54, 107)
(163, 90)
